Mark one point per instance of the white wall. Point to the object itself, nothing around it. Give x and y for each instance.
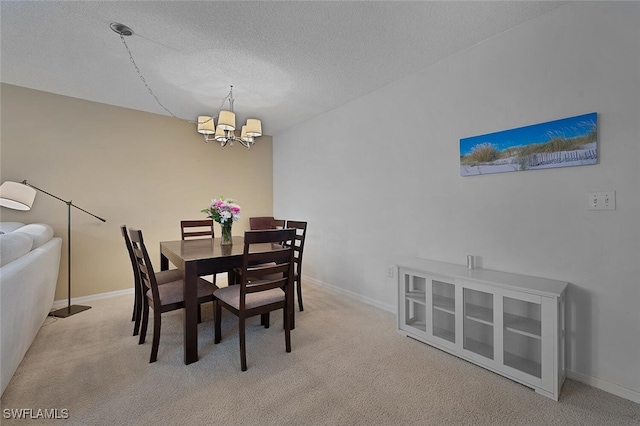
(378, 179)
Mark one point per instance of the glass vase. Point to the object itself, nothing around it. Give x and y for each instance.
(226, 233)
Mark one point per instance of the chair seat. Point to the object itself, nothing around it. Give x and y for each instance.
(173, 292)
(231, 296)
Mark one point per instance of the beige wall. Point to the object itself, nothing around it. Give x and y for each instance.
(129, 167)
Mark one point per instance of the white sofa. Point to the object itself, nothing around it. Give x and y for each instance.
(29, 265)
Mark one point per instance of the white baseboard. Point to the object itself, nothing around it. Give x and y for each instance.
(604, 385)
(57, 304)
(361, 298)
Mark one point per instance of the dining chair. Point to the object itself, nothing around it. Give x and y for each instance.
(301, 232)
(266, 222)
(265, 286)
(161, 298)
(196, 228)
(261, 222)
(162, 277)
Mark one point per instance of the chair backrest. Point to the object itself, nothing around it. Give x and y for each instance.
(279, 223)
(145, 269)
(132, 257)
(261, 222)
(196, 228)
(301, 232)
(269, 265)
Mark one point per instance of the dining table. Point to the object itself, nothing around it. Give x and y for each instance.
(195, 258)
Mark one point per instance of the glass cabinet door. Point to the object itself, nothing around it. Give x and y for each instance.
(478, 322)
(522, 336)
(415, 313)
(443, 308)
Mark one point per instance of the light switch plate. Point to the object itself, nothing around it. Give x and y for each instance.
(605, 200)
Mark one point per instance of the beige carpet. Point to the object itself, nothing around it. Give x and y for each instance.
(348, 366)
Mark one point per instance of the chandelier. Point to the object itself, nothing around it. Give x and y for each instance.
(224, 132)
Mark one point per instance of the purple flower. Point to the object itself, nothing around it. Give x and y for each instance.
(223, 209)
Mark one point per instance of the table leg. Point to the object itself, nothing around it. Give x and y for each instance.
(164, 262)
(190, 282)
(231, 277)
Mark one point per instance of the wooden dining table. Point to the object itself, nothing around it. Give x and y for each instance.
(196, 258)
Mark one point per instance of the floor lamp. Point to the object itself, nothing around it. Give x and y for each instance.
(20, 196)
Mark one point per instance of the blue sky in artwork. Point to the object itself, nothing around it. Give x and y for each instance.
(537, 133)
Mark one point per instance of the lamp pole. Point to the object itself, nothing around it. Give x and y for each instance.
(70, 309)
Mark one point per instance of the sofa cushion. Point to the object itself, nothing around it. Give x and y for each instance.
(6, 227)
(39, 232)
(14, 245)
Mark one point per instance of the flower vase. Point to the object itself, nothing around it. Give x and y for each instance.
(226, 233)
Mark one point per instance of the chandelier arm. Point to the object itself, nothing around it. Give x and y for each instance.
(229, 139)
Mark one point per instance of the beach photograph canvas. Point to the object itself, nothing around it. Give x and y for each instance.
(565, 142)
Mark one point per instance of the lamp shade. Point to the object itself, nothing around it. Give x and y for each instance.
(205, 125)
(16, 196)
(220, 136)
(254, 127)
(227, 120)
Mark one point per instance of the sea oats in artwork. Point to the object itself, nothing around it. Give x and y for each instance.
(560, 143)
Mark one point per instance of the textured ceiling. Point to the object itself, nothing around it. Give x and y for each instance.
(287, 61)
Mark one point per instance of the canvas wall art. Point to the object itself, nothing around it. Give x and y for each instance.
(566, 142)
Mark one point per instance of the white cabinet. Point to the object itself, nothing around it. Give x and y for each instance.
(508, 323)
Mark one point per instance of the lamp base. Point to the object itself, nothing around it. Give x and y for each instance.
(68, 311)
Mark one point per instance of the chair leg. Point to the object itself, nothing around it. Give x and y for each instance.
(292, 324)
(214, 310)
(156, 336)
(243, 346)
(199, 314)
(265, 319)
(217, 326)
(289, 314)
(145, 321)
(299, 290)
(137, 311)
(287, 329)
